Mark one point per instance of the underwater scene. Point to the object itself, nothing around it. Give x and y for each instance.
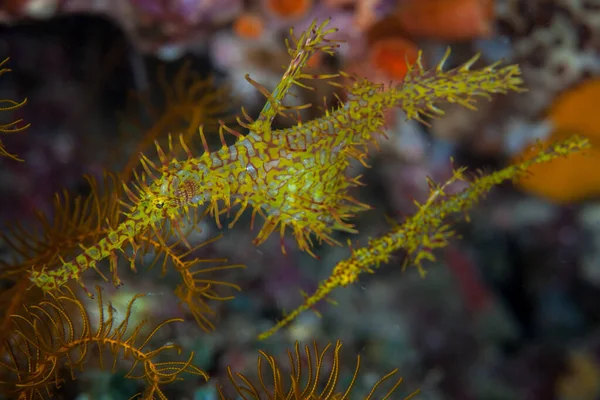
(300, 199)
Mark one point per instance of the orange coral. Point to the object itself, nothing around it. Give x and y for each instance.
(392, 56)
(249, 26)
(564, 180)
(446, 19)
(292, 9)
(575, 178)
(577, 110)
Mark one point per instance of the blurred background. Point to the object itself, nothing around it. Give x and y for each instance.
(511, 310)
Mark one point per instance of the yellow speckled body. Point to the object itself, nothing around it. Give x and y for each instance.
(295, 178)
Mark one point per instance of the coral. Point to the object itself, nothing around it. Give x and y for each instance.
(574, 111)
(393, 56)
(288, 9)
(152, 25)
(446, 19)
(249, 26)
(554, 42)
(575, 178)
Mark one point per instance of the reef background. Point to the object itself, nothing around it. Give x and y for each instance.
(509, 311)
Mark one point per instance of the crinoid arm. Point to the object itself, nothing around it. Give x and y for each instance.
(199, 286)
(312, 383)
(13, 126)
(60, 333)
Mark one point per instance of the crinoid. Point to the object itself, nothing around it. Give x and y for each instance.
(14, 126)
(198, 286)
(74, 221)
(78, 221)
(316, 384)
(60, 333)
